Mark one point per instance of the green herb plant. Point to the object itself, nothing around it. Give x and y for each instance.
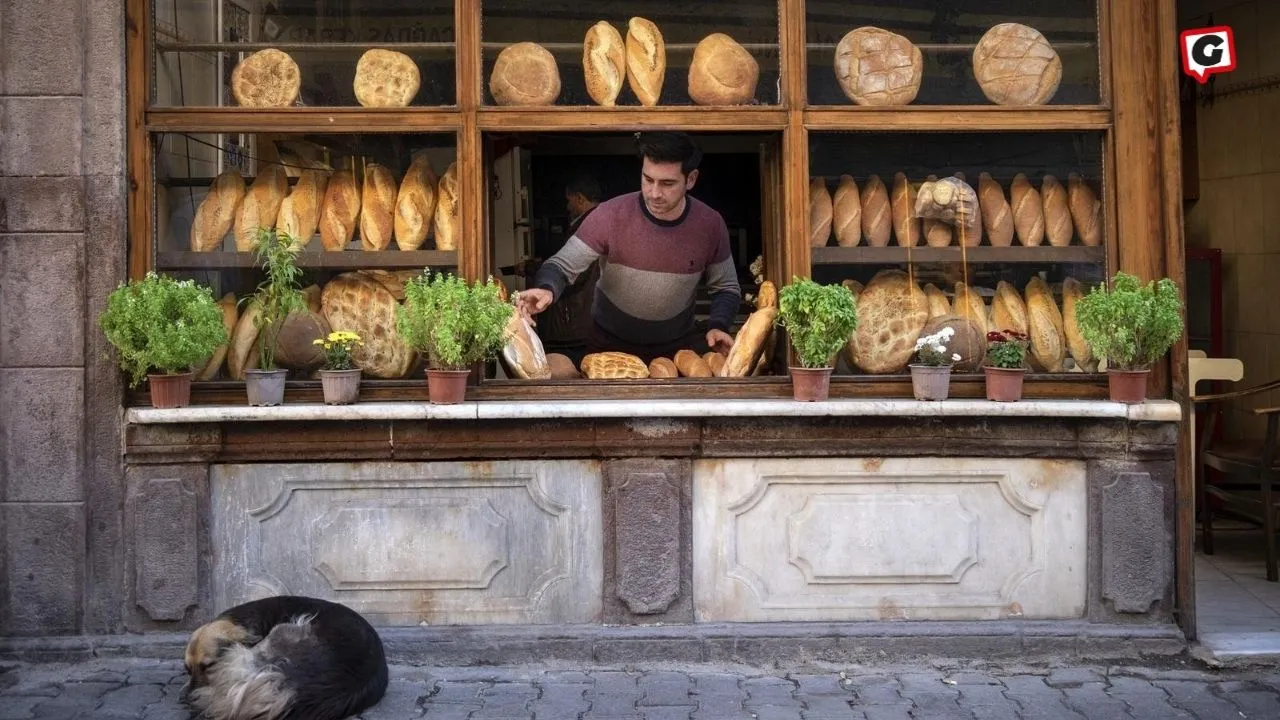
(279, 294)
(452, 323)
(1131, 325)
(818, 318)
(163, 324)
(1006, 349)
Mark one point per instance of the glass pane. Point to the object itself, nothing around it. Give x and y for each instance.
(1048, 40)
(743, 55)
(303, 53)
(1037, 217)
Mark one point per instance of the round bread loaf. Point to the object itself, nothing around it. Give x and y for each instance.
(562, 368)
(969, 340)
(358, 303)
(295, 346)
(722, 72)
(1016, 65)
(663, 368)
(877, 67)
(386, 78)
(891, 313)
(266, 79)
(525, 74)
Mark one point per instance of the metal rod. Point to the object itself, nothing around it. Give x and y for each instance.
(163, 46)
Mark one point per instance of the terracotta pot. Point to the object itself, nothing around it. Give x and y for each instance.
(1004, 384)
(265, 387)
(170, 391)
(447, 387)
(929, 382)
(341, 387)
(1128, 386)
(810, 384)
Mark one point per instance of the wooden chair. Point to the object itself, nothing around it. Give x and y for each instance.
(1252, 486)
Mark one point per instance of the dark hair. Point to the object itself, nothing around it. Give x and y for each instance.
(586, 186)
(665, 147)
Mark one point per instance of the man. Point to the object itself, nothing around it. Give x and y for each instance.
(657, 245)
(565, 327)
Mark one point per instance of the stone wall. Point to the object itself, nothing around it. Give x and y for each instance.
(62, 249)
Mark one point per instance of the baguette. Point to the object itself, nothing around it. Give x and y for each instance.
(1044, 323)
(663, 368)
(1057, 214)
(300, 211)
(377, 207)
(691, 364)
(1086, 210)
(604, 63)
(1008, 311)
(906, 226)
(340, 211)
(749, 344)
(877, 220)
(448, 219)
(217, 211)
(261, 206)
(847, 212)
(646, 60)
(1028, 211)
(1079, 348)
(415, 204)
(820, 210)
(996, 216)
(714, 360)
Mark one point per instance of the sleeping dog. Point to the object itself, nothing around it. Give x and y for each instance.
(285, 658)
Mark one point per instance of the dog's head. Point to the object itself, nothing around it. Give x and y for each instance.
(205, 646)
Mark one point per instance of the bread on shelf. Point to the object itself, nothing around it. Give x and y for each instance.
(820, 212)
(525, 75)
(217, 211)
(877, 216)
(604, 63)
(846, 211)
(646, 60)
(877, 67)
(722, 72)
(1015, 65)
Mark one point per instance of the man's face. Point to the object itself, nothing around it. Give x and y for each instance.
(664, 186)
(576, 203)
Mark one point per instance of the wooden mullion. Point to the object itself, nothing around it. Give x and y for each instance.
(472, 250)
(141, 218)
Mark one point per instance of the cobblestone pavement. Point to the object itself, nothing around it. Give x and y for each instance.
(130, 688)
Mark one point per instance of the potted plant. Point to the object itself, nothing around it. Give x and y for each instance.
(1006, 365)
(454, 325)
(277, 296)
(339, 378)
(164, 325)
(1130, 326)
(819, 320)
(931, 373)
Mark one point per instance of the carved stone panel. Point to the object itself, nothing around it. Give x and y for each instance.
(407, 543)
(647, 542)
(163, 524)
(889, 539)
(1136, 543)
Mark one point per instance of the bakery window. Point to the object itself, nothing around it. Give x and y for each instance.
(640, 53)
(273, 54)
(981, 231)
(1011, 53)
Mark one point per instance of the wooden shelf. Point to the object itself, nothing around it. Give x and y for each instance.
(305, 119)
(342, 260)
(864, 255)
(590, 117)
(960, 118)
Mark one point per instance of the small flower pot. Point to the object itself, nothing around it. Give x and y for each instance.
(1004, 384)
(447, 387)
(931, 382)
(170, 391)
(810, 384)
(265, 387)
(341, 387)
(1128, 386)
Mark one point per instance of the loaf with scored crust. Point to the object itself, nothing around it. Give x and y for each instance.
(646, 60)
(604, 63)
(820, 212)
(217, 211)
(846, 211)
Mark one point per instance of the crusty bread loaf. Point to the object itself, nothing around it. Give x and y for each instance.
(604, 63)
(1008, 311)
(877, 216)
(997, 218)
(562, 368)
(448, 218)
(714, 360)
(295, 338)
(300, 211)
(1086, 210)
(846, 211)
(969, 304)
(877, 67)
(377, 207)
(356, 302)
(646, 60)
(767, 295)
(950, 200)
(820, 212)
(386, 78)
(906, 226)
(891, 313)
(525, 74)
(1028, 211)
(1079, 348)
(340, 211)
(261, 205)
(1057, 213)
(749, 343)
(241, 353)
(230, 314)
(663, 368)
(1044, 325)
(415, 203)
(691, 364)
(614, 366)
(938, 303)
(217, 211)
(266, 79)
(524, 356)
(853, 286)
(1015, 65)
(722, 72)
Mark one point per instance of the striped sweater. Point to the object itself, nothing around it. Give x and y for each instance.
(651, 269)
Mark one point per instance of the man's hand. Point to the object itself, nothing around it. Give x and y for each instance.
(720, 341)
(534, 301)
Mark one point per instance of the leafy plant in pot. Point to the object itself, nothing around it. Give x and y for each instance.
(819, 320)
(339, 378)
(454, 325)
(165, 325)
(277, 296)
(931, 373)
(1006, 365)
(1130, 326)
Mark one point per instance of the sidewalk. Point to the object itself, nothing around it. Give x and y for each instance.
(148, 690)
